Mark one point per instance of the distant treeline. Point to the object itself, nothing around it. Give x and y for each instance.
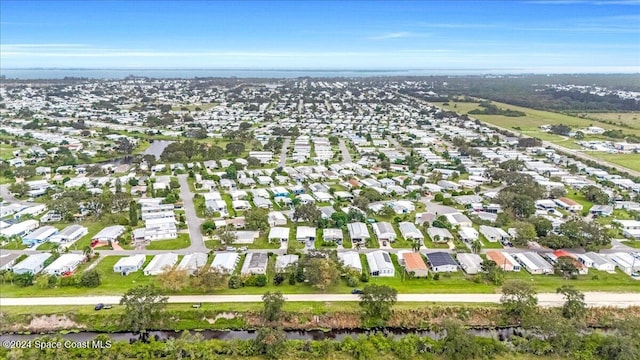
(532, 91)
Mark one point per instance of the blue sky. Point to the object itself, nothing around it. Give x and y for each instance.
(554, 36)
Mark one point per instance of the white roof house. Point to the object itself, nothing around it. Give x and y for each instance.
(276, 218)
(225, 262)
(358, 232)
(110, 233)
(625, 262)
(66, 263)
(39, 236)
(280, 234)
(192, 262)
(283, 261)
(21, 228)
(596, 261)
(470, 263)
(129, 264)
(69, 234)
(380, 264)
(533, 263)
(32, 264)
(410, 231)
(332, 234)
(494, 234)
(350, 259)
(305, 233)
(246, 236)
(255, 263)
(439, 234)
(160, 263)
(468, 234)
(384, 231)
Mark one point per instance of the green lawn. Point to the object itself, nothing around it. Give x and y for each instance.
(580, 199)
(181, 242)
(631, 161)
(533, 119)
(14, 245)
(633, 243)
(490, 245)
(627, 118)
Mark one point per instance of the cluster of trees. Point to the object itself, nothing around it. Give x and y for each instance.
(189, 150)
(595, 195)
(491, 109)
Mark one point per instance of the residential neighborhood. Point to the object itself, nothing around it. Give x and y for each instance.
(259, 179)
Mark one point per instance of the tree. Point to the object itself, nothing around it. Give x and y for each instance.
(256, 219)
(307, 212)
(143, 306)
(19, 189)
(525, 232)
(209, 279)
(90, 279)
(173, 279)
(271, 342)
(226, 236)
(125, 146)
(476, 246)
(565, 267)
(574, 306)
(557, 192)
(133, 213)
(24, 279)
(244, 125)
(65, 206)
(340, 219)
(595, 195)
(253, 161)
(416, 244)
(457, 343)
(387, 211)
(235, 148)
(518, 300)
(377, 302)
(321, 273)
(492, 272)
(541, 225)
(273, 303)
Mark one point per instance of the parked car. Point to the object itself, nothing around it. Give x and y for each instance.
(99, 306)
(107, 307)
(356, 291)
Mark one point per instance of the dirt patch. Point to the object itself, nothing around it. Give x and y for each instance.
(48, 323)
(223, 315)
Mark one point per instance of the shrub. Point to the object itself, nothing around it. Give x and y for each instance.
(235, 282)
(364, 277)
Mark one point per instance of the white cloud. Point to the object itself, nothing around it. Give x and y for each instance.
(397, 35)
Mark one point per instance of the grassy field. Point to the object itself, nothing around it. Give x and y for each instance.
(533, 119)
(631, 161)
(181, 242)
(626, 118)
(6, 151)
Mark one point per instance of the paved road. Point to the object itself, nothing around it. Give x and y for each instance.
(621, 300)
(193, 221)
(346, 157)
(283, 152)
(7, 196)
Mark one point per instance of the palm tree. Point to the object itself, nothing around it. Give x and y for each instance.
(87, 251)
(476, 246)
(416, 244)
(55, 249)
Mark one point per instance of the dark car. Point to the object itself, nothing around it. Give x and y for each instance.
(356, 291)
(99, 306)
